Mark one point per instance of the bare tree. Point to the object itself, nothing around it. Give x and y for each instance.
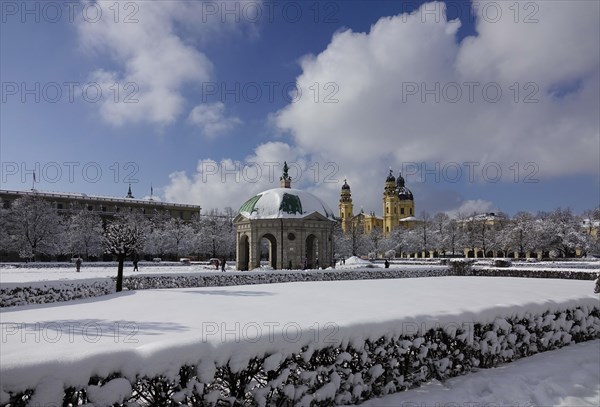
(566, 232)
(215, 234)
(179, 236)
(84, 233)
(123, 237)
(35, 226)
(424, 229)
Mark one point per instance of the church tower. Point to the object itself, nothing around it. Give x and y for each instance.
(398, 203)
(406, 203)
(390, 205)
(346, 207)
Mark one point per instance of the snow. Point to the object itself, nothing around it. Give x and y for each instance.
(355, 262)
(154, 331)
(562, 378)
(268, 205)
(10, 275)
(115, 391)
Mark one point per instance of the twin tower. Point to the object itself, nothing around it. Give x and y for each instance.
(398, 209)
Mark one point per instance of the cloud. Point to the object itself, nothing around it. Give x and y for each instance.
(368, 114)
(222, 183)
(409, 91)
(150, 51)
(210, 118)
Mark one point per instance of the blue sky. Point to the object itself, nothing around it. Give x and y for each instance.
(194, 69)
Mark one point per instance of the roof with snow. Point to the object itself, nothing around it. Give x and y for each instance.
(279, 203)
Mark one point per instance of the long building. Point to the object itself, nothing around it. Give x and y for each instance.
(105, 206)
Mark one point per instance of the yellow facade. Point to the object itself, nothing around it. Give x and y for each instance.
(398, 209)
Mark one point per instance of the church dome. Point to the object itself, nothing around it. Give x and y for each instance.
(403, 192)
(279, 203)
(345, 186)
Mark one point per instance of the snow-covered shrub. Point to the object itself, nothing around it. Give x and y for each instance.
(346, 373)
(461, 267)
(39, 293)
(502, 263)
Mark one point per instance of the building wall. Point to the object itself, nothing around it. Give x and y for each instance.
(103, 206)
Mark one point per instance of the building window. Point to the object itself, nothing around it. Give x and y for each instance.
(387, 210)
(6, 204)
(411, 211)
(90, 207)
(387, 228)
(59, 206)
(402, 211)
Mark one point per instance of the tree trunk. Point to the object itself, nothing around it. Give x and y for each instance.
(121, 259)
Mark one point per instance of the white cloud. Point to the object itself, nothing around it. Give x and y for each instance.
(154, 46)
(211, 119)
(374, 124)
(376, 114)
(217, 184)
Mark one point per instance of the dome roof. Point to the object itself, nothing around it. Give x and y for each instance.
(279, 203)
(404, 193)
(390, 177)
(345, 186)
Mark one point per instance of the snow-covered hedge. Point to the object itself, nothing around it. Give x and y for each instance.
(343, 373)
(88, 264)
(537, 273)
(141, 282)
(53, 291)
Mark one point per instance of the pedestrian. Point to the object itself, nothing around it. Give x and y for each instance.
(78, 264)
(387, 264)
(305, 263)
(223, 264)
(216, 264)
(135, 263)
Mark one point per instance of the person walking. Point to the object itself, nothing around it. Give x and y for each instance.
(223, 264)
(135, 263)
(387, 264)
(78, 264)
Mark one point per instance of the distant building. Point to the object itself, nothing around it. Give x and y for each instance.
(105, 206)
(398, 209)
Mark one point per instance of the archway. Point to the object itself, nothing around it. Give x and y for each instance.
(271, 253)
(243, 253)
(312, 252)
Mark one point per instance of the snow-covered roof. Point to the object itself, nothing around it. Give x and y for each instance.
(279, 203)
(409, 219)
(87, 197)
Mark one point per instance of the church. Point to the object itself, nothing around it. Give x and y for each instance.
(398, 209)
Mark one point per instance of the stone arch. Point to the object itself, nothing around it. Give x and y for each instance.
(273, 247)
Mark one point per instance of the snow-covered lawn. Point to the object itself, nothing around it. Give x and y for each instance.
(33, 274)
(148, 331)
(568, 377)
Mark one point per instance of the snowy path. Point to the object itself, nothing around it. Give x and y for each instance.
(146, 331)
(568, 377)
